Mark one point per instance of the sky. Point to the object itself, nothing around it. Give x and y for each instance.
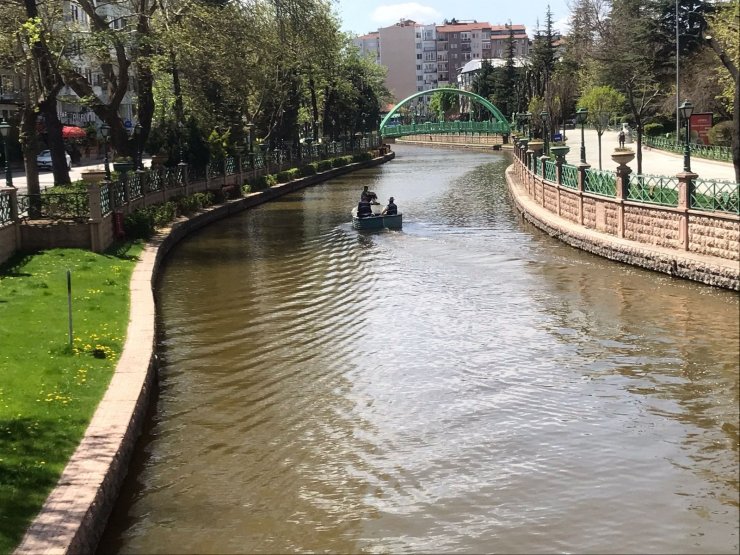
(362, 16)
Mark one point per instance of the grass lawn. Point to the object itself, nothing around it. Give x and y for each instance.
(48, 389)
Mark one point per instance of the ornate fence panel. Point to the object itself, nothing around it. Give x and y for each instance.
(550, 171)
(55, 206)
(569, 176)
(716, 196)
(602, 183)
(118, 191)
(5, 215)
(653, 189)
(136, 184)
(107, 198)
(711, 152)
(231, 166)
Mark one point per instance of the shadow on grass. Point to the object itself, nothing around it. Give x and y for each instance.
(12, 266)
(32, 455)
(119, 249)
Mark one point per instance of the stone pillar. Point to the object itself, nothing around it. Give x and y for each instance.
(94, 201)
(558, 179)
(685, 188)
(581, 188)
(623, 183)
(13, 194)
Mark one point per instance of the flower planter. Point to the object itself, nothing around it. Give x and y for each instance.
(623, 156)
(123, 167)
(560, 151)
(92, 176)
(536, 146)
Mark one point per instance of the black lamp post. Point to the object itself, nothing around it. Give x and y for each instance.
(525, 123)
(138, 163)
(603, 118)
(686, 109)
(5, 132)
(545, 135)
(581, 115)
(105, 132)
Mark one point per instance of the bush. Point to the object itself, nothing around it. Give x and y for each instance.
(139, 224)
(324, 165)
(341, 161)
(362, 157)
(309, 169)
(265, 181)
(287, 175)
(653, 129)
(721, 134)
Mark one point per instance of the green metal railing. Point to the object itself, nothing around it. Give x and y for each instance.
(710, 152)
(653, 189)
(602, 183)
(715, 196)
(489, 127)
(550, 171)
(569, 176)
(55, 206)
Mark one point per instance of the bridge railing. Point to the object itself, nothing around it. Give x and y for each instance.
(488, 127)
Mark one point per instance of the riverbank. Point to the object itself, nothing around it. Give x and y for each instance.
(74, 515)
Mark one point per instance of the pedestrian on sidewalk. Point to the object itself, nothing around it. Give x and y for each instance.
(621, 139)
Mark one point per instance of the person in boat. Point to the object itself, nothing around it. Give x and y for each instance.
(364, 209)
(371, 196)
(391, 209)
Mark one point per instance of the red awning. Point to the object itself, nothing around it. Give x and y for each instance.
(71, 132)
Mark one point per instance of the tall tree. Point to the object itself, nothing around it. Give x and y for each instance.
(601, 102)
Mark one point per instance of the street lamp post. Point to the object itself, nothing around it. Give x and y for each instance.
(686, 109)
(105, 132)
(5, 132)
(581, 115)
(526, 117)
(544, 115)
(138, 163)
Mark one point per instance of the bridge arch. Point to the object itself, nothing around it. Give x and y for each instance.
(501, 120)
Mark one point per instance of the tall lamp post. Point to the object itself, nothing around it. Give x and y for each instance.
(545, 135)
(581, 115)
(686, 109)
(5, 131)
(105, 132)
(138, 162)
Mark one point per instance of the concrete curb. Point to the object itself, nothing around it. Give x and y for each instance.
(709, 270)
(74, 515)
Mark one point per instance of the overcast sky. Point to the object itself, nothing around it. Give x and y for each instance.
(362, 16)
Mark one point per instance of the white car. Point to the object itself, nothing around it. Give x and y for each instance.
(43, 160)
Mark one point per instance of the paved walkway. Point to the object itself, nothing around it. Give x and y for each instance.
(654, 162)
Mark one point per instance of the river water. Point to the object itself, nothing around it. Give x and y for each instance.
(468, 384)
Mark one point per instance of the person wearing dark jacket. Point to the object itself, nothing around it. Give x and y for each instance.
(363, 208)
(391, 209)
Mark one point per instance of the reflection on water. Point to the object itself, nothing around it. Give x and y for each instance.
(467, 384)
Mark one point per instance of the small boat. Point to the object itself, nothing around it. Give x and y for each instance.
(376, 221)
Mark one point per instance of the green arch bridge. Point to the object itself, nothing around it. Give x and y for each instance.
(497, 125)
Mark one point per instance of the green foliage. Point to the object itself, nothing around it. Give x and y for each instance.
(653, 129)
(309, 169)
(288, 175)
(602, 99)
(341, 161)
(324, 165)
(721, 134)
(143, 222)
(265, 181)
(362, 157)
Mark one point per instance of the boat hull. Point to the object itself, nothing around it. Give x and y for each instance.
(378, 222)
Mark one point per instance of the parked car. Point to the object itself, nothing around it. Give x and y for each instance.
(43, 160)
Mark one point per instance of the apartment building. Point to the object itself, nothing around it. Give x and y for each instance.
(421, 57)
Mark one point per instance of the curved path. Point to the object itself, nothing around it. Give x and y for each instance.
(74, 515)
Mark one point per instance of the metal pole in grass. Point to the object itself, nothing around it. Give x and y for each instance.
(69, 304)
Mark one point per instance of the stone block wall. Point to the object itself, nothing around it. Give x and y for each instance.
(40, 235)
(652, 226)
(551, 199)
(8, 244)
(714, 236)
(589, 212)
(569, 203)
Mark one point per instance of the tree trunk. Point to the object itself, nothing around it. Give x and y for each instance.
(55, 141)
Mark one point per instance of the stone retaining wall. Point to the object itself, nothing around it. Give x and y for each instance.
(74, 515)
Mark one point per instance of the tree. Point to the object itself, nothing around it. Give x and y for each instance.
(598, 101)
(724, 39)
(444, 103)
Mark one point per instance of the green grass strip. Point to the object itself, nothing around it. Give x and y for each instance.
(48, 389)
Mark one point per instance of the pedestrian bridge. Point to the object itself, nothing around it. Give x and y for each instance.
(496, 125)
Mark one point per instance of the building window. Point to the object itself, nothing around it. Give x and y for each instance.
(418, 56)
